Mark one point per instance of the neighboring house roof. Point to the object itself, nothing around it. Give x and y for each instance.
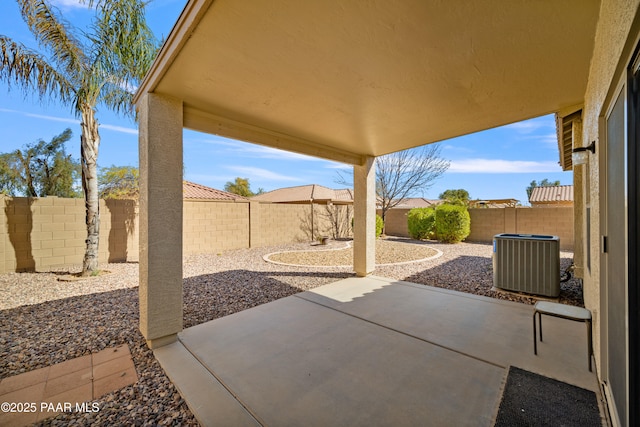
(345, 194)
(191, 190)
(556, 194)
(306, 194)
(416, 202)
(494, 203)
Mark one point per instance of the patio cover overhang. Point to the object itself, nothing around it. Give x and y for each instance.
(346, 81)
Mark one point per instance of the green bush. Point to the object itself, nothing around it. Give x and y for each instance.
(453, 223)
(379, 225)
(421, 223)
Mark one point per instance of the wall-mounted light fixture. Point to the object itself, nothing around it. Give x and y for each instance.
(580, 156)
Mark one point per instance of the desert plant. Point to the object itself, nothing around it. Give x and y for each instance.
(452, 223)
(421, 223)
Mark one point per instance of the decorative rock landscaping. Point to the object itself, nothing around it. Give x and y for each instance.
(44, 321)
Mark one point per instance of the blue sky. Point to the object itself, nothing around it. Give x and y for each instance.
(497, 163)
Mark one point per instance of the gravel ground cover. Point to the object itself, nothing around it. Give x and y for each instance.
(387, 252)
(44, 321)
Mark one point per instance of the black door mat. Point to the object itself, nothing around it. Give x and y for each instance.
(534, 400)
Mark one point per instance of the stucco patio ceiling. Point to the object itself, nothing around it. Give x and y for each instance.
(344, 79)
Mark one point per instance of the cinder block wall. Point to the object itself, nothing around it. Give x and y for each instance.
(395, 222)
(486, 223)
(558, 221)
(282, 223)
(44, 233)
(554, 221)
(214, 226)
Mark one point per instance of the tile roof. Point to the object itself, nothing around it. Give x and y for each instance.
(494, 203)
(191, 190)
(417, 202)
(552, 194)
(305, 193)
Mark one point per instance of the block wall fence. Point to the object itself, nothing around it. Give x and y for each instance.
(41, 234)
(487, 222)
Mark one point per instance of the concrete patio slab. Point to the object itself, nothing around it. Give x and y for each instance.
(496, 331)
(207, 398)
(367, 351)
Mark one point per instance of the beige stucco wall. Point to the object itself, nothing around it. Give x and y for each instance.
(486, 223)
(612, 51)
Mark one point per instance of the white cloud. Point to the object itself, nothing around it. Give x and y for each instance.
(40, 116)
(456, 148)
(253, 172)
(273, 153)
(341, 166)
(204, 178)
(253, 150)
(70, 4)
(121, 129)
(502, 166)
(114, 128)
(529, 126)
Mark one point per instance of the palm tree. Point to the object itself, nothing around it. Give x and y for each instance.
(83, 71)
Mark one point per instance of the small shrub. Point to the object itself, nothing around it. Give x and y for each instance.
(421, 223)
(379, 225)
(452, 224)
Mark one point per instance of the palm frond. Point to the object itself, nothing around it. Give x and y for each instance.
(54, 33)
(117, 99)
(124, 49)
(30, 71)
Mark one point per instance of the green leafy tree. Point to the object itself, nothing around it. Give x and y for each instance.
(544, 183)
(455, 197)
(10, 178)
(119, 182)
(40, 169)
(241, 187)
(83, 70)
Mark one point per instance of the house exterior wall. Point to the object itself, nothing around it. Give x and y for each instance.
(612, 51)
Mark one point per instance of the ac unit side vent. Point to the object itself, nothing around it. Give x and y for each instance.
(527, 263)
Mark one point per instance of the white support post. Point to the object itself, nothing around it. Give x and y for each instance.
(364, 223)
(160, 136)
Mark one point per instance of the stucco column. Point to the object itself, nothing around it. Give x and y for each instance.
(160, 149)
(580, 204)
(364, 223)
